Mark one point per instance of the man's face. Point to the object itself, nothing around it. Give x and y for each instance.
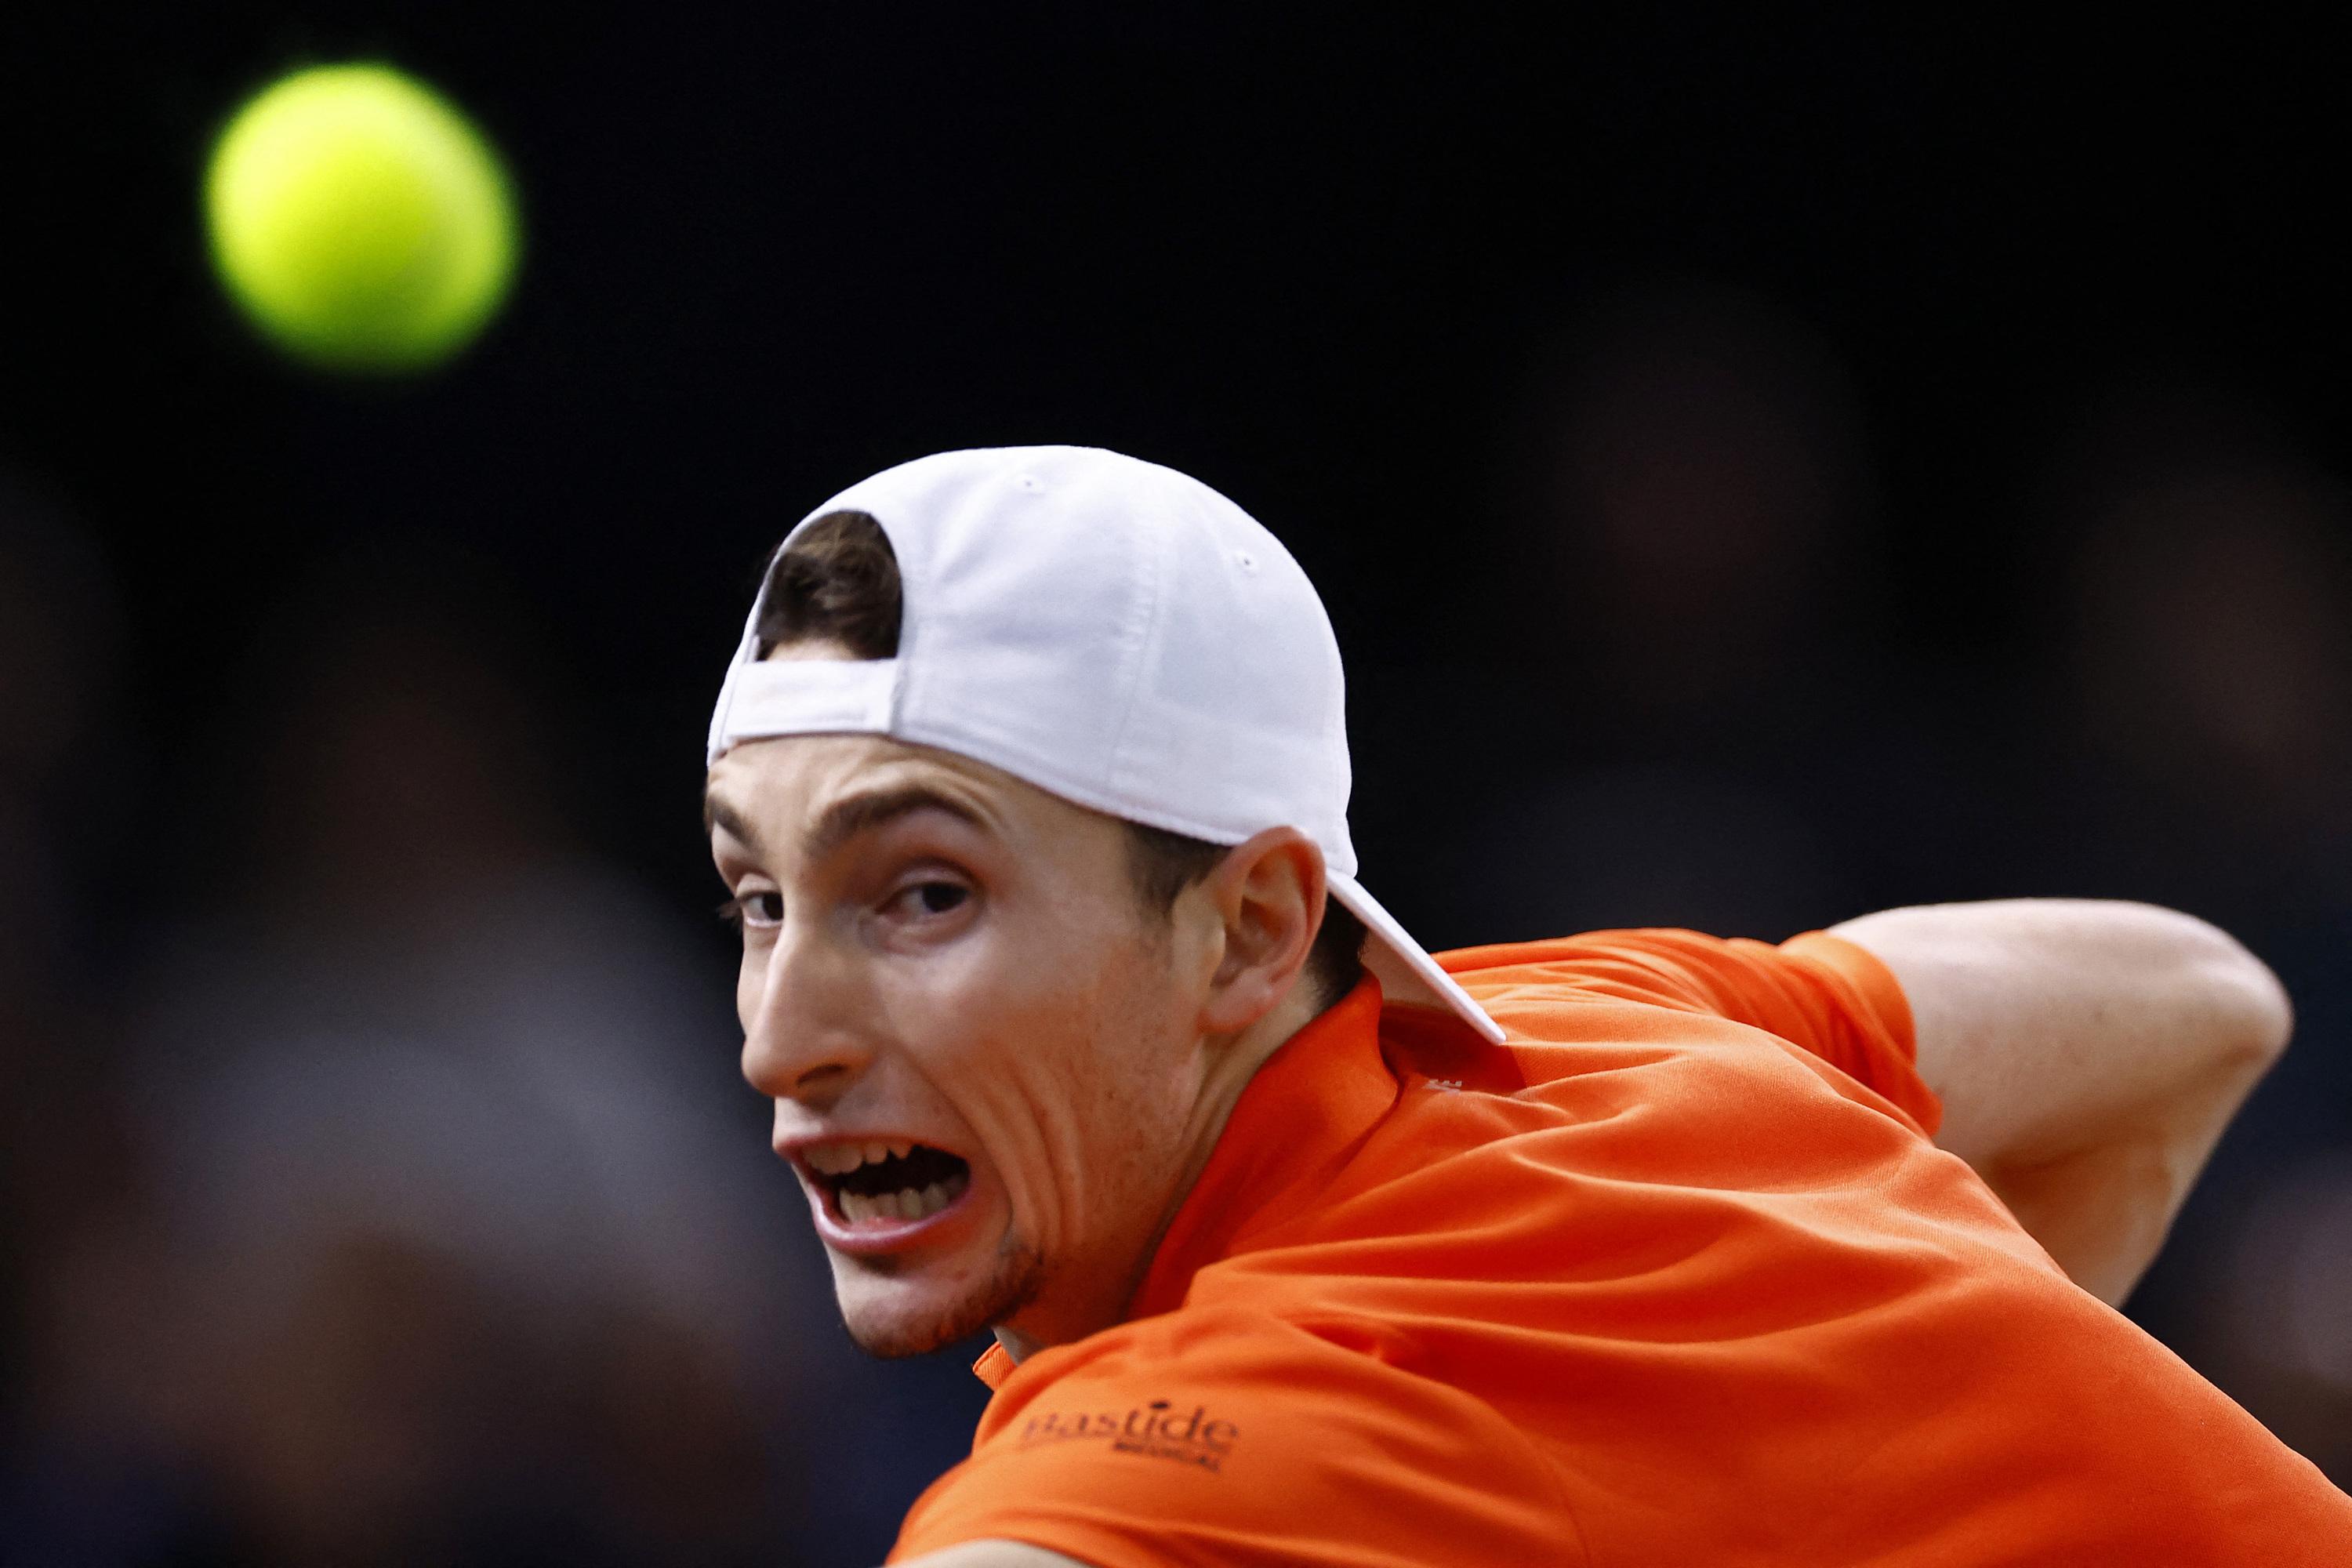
(949, 968)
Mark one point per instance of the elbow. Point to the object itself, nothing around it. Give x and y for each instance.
(2265, 1015)
(2251, 1016)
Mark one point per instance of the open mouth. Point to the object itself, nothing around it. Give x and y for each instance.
(887, 1183)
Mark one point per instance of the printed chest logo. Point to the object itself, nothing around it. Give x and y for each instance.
(1159, 1431)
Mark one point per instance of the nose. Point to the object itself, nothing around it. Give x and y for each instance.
(803, 1015)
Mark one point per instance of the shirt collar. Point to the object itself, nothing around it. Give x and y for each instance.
(1301, 1116)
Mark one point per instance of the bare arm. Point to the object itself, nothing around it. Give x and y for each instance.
(994, 1554)
(2088, 1055)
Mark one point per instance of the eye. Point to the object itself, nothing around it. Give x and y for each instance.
(754, 910)
(923, 899)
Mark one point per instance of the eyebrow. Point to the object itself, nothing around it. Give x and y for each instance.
(717, 813)
(845, 819)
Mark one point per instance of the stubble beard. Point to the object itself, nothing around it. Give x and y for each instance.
(1019, 1275)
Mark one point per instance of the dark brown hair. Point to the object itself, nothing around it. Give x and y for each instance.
(838, 582)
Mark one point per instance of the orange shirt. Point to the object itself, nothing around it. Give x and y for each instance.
(1674, 1277)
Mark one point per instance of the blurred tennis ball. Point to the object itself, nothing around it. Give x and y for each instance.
(360, 219)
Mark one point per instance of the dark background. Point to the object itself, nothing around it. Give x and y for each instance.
(1760, 470)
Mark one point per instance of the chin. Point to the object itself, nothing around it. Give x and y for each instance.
(891, 1315)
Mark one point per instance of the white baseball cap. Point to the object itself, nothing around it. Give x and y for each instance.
(1115, 633)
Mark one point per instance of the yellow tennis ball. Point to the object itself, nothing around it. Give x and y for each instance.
(360, 219)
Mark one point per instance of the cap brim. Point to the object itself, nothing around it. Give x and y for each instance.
(1407, 974)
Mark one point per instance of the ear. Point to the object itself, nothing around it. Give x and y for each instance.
(1267, 893)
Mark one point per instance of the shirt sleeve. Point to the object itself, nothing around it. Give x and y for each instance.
(1825, 995)
(1226, 1436)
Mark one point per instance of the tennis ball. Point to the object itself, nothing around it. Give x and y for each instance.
(360, 220)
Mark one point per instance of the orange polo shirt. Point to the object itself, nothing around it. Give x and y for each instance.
(1674, 1276)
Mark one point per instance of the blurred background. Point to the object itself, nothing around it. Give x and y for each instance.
(1760, 470)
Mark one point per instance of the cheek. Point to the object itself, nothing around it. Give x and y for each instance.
(1105, 1085)
(1054, 1036)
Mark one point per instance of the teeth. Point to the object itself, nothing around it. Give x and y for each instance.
(840, 1159)
(905, 1204)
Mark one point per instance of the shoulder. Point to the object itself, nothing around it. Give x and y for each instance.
(1828, 998)
(1734, 978)
(1177, 1436)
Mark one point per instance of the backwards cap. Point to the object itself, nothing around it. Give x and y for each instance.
(1115, 633)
